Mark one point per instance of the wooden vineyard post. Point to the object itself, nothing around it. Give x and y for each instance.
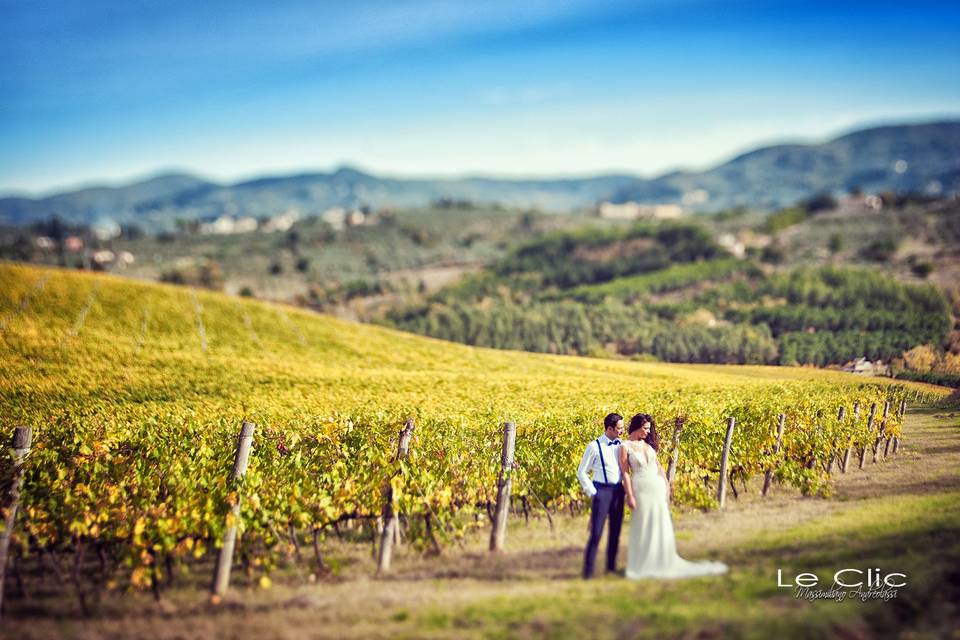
(846, 453)
(833, 456)
(389, 516)
(863, 451)
(221, 575)
(499, 531)
(812, 463)
(22, 437)
(198, 310)
(883, 426)
(902, 412)
(722, 486)
(768, 476)
(675, 454)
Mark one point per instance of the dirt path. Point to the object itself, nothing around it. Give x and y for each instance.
(533, 589)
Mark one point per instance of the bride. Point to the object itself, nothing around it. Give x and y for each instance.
(652, 550)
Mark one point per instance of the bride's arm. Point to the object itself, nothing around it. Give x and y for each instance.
(625, 478)
(664, 476)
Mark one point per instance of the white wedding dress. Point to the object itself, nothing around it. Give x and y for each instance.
(652, 549)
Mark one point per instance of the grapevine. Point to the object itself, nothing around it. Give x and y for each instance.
(133, 460)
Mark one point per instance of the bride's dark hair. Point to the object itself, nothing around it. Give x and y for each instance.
(652, 438)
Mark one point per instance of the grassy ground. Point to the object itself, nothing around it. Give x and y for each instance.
(901, 514)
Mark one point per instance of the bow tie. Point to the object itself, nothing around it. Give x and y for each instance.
(613, 442)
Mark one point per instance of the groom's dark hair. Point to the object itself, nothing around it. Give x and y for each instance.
(611, 420)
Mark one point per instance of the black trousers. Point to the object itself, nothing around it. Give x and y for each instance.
(607, 504)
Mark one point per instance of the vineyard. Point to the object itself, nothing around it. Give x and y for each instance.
(136, 392)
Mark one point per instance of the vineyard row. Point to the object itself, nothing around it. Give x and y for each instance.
(144, 508)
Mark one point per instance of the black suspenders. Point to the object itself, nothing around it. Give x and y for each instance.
(602, 463)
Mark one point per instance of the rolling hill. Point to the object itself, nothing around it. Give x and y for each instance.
(920, 157)
(923, 158)
(75, 339)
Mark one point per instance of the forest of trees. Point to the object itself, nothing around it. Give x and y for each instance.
(567, 259)
(833, 314)
(587, 293)
(587, 329)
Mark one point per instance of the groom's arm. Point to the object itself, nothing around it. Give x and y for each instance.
(586, 462)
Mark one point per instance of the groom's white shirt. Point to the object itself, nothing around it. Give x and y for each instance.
(591, 462)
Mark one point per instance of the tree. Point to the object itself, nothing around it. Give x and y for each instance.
(921, 269)
(921, 358)
(174, 276)
(527, 221)
(820, 202)
(131, 231)
(835, 243)
(292, 240)
(773, 253)
(950, 363)
(210, 276)
(22, 248)
(881, 249)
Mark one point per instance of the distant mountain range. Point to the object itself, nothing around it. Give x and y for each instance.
(918, 158)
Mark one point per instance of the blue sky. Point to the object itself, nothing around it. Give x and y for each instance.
(104, 92)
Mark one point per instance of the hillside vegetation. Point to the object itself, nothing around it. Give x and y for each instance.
(668, 290)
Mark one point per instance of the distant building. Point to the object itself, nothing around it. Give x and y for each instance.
(105, 229)
(695, 197)
(613, 211)
(282, 222)
(860, 202)
(355, 218)
(339, 218)
(752, 240)
(227, 225)
(634, 211)
(104, 256)
(729, 242)
(336, 217)
(245, 224)
(867, 368)
(221, 226)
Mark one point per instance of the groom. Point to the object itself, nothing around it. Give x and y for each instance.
(601, 458)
